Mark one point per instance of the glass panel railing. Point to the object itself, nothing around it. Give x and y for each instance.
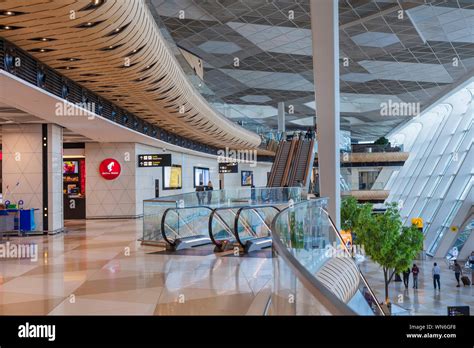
(153, 209)
(305, 238)
(254, 222)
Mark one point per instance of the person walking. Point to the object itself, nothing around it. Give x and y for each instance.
(471, 266)
(436, 272)
(457, 272)
(406, 277)
(415, 271)
(200, 193)
(209, 190)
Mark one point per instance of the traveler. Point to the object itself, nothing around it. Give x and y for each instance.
(457, 272)
(406, 277)
(436, 272)
(209, 190)
(285, 193)
(200, 193)
(415, 271)
(471, 266)
(252, 193)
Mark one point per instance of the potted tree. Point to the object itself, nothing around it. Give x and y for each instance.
(387, 242)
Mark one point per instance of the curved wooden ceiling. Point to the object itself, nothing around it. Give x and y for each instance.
(93, 46)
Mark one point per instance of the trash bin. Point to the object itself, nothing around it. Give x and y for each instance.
(27, 220)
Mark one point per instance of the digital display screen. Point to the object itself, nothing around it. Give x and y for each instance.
(247, 178)
(201, 176)
(70, 167)
(172, 177)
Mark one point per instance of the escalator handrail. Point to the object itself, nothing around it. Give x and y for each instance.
(211, 219)
(163, 220)
(237, 217)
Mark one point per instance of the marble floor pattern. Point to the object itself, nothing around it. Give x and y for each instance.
(424, 300)
(100, 267)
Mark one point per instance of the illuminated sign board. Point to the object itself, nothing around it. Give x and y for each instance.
(232, 167)
(154, 160)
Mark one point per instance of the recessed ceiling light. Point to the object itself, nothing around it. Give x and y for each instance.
(88, 24)
(10, 13)
(92, 5)
(41, 50)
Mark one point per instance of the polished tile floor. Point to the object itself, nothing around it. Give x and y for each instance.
(424, 300)
(100, 267)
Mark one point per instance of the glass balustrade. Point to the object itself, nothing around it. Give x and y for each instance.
(313, 262)
(154, 209)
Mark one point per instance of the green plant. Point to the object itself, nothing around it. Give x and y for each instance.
(381, 141)
(387, 242)
(350, 210)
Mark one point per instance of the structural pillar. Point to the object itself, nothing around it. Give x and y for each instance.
(281, 117)
(32, 171)
(325, 37)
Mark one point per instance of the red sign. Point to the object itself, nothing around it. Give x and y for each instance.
(109, 169)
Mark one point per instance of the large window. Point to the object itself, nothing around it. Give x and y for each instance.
(367, 179)
(201, 176)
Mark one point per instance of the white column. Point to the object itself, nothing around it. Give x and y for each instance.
(325, 31)
(22, 167)
(281, 117)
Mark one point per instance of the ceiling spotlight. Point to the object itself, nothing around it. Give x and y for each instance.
(6, 27)
(9, 13)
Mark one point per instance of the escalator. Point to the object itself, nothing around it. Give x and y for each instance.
(245, 227)
(293, 163)
(184, 228)
(279, 166)
(302, 163)
(221, 228)
(252, 227)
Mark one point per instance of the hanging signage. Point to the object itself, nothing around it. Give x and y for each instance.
(232, 167)
(110, 169)
(154, 160)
